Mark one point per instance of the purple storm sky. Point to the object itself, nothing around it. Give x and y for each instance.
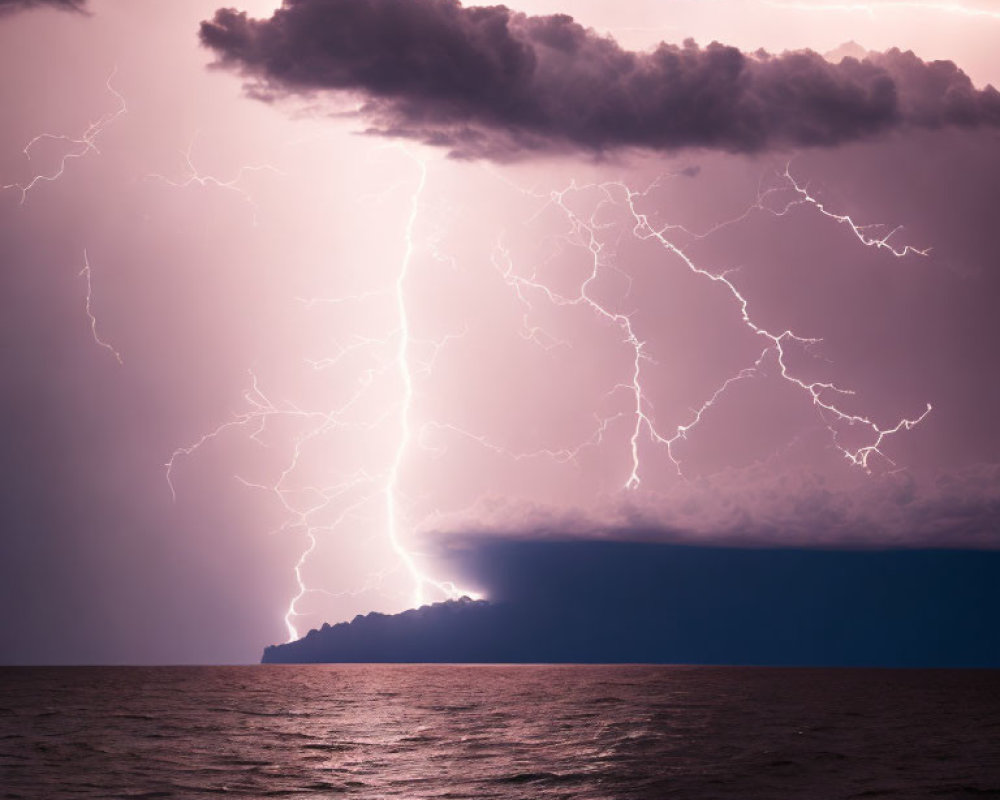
(295, 305)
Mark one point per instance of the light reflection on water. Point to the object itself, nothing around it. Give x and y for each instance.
(373, 731)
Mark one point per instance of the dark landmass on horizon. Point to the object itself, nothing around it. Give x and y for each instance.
(615, 602)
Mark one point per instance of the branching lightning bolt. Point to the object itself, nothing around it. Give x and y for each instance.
(301, 503)
(822, 395)
(79, 146)
(304, 505)
(406, 377)
(196, 178)
(860, 231)
(85, 272)
(316, 511)
(404, 339)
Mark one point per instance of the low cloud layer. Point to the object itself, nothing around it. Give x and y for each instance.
(756, 508)
(488, 81)
(10, 6)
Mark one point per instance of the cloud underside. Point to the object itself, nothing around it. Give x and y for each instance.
(10, 6)
(488, 81)
(756, 508)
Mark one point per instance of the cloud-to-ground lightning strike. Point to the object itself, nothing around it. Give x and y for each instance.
(301, 504)
(406, 377)
(402, 359)
(86, 273)
(78, 146)
(585, 234)
(361, 488)
(377, 498)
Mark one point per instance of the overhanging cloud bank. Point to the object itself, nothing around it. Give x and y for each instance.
(488, 81)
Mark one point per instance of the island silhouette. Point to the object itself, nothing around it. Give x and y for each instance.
(618, 602)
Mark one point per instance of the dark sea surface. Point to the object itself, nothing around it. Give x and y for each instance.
(411, 731)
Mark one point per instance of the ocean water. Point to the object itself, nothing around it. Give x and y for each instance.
(411, 731)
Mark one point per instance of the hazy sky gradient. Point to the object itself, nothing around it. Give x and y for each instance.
(244, 261)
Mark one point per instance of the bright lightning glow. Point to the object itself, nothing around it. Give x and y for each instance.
(312, 534)
(78, 146)
(85, 272)
(306, 505)
(406, 377)
(402, 360)
(376, 498)
(301, 514)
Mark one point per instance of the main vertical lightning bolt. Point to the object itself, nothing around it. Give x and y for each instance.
(79, 146)
(406, 377)
(314, 511)
(305, 505)
(402, 359)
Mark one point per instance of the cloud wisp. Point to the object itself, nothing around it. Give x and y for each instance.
(491, 82)
(10, 6)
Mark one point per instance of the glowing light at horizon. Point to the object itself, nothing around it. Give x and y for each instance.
(362, 489)
(262, 411)
(317, 511)
(402, 361)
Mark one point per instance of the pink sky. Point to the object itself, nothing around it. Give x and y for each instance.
(268, 292)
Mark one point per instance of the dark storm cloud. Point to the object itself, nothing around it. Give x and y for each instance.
(489, 81)
(10, 6)
(604, 602)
